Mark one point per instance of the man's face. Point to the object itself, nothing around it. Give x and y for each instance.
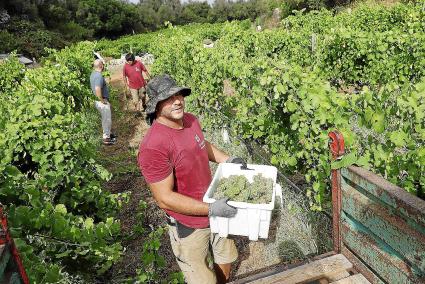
(130, 62)
(172, 108)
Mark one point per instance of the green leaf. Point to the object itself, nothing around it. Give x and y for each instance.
(363, 161)
(59, 225)
(53, 274)
(148, 258)
(378, 122)
(58, 158)
(399, 138)
(347, 160)
(63, 254)
(291, 106)
(292, 161)
(12, 171)
(89, 223)
(281, 88)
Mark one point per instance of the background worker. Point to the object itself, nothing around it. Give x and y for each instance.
(134, 80)
(174, 159)
(100, 90)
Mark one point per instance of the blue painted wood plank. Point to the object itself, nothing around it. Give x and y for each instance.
(15, 279)
(406, 205)
(386, 225)
(381, 258)
(4, 260)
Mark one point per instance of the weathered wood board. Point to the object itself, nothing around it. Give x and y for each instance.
(309, 272)
(383, 226)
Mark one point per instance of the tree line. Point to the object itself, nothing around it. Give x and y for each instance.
(29, 26)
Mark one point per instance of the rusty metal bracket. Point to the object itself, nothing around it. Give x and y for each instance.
(5, 238)
(336, 144)
(337, 149)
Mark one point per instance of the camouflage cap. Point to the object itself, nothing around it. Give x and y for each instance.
(161, 88)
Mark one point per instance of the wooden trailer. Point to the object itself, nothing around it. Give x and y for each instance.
(11, 269)
(378, 234)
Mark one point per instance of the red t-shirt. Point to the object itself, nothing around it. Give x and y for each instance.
(134, 74)
(182, 151)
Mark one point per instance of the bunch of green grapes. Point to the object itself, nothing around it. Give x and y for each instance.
(259, 189)
(237, 188)
(230, 187)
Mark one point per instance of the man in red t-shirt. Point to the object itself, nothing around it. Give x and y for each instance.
(134, 80)
(174, 159)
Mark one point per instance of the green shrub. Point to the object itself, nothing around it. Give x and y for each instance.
(8, 41)
(73, 32)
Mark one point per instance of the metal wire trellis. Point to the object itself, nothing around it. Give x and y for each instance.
(261, 158)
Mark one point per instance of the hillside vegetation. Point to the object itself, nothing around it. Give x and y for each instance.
(29, 26)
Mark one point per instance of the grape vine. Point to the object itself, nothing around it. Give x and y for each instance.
(360, 71)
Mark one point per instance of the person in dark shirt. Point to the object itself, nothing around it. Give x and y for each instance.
(100, 90)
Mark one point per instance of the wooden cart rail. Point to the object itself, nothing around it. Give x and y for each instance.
(335, 269)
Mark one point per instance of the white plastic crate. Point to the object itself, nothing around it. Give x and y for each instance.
(251, 220)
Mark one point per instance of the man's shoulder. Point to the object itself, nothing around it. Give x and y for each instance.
(190, 116)
(155, 139)
(191, 119)
(96, 75)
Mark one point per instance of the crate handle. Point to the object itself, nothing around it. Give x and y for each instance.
(279, 193)
(244, 167)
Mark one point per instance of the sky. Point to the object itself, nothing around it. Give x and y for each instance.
(209, 1)
(183, 1)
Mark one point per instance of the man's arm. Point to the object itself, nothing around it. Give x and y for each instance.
(168, 199)
(124, 77)
(147, 75)
(98, 91)
(144, 69)
(215, 154)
